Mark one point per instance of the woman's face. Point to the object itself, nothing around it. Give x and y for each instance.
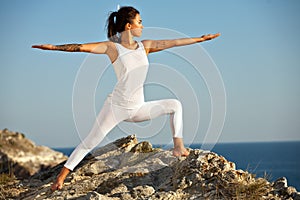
(136, 26)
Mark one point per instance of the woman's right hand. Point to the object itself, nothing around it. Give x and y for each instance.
(44, 46)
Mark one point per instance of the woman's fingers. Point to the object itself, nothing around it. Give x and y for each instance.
(38, 46)
(35, 46)
(43, 46)
(217, 34)
(212, 36)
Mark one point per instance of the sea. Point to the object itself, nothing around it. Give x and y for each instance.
(271, 160)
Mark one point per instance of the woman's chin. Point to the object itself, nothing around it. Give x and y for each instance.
(138, 34)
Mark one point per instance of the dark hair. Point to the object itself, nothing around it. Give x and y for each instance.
(117, 20)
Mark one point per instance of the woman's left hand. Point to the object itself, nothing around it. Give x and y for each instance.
(210, 36)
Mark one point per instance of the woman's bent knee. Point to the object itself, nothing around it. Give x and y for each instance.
(175, 104)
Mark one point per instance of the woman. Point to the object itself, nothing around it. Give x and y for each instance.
(126, 102)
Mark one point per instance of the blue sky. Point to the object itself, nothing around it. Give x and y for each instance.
(257, 56)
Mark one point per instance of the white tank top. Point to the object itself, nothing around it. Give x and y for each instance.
(131, 69)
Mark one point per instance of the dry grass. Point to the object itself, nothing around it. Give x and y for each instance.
(9, 184)
(6, 182)
(253, 190)
(6, 178)
(250, 188)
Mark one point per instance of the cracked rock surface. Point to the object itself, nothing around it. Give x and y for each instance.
(128, 169)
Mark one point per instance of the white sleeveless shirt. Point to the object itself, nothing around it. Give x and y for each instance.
(131, 69)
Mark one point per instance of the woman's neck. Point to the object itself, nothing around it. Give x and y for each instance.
(127, 39)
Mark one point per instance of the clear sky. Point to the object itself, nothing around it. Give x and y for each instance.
(257, 57)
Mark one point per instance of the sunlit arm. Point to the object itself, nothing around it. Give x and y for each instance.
(98, 48)
(159, 45)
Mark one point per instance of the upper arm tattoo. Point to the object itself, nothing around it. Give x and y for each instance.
(68, 47)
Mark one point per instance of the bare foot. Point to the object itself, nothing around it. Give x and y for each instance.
(180, 152)
(179, 149)
(57, 185)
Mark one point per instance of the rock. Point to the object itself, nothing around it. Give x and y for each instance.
(281, 188)
(280, 183)
(128, 170)
(142, 191)
(296, 196)
(22, 158)
(95, 196)
(143, 147)
(290, 191)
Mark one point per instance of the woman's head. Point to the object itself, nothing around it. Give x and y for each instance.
(125, 18)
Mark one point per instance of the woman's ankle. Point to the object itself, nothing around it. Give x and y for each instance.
(178, 142)
(63, 173)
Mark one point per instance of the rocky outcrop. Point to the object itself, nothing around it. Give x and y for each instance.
(126, 169)
(22, 158)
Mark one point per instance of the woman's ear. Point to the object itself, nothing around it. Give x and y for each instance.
(128, 26)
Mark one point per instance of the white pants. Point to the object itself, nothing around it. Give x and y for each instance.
(111, 115)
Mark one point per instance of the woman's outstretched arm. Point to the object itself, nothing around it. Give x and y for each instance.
(159, 45)
(98, 47)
